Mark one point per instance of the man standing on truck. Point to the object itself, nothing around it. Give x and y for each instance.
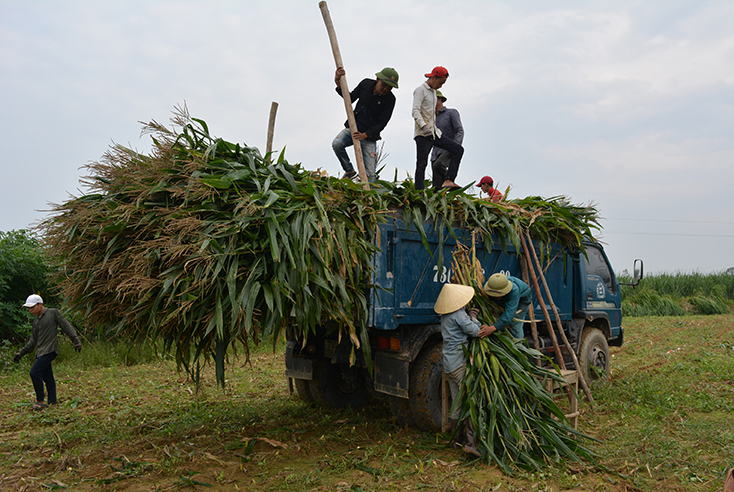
(515, 296)
(456, 327)
(449, 122)
(375, 103)
(427, 135)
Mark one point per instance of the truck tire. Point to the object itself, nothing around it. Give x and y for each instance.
(426, 375)
(332, 388)
(594, 354)
(302, 389)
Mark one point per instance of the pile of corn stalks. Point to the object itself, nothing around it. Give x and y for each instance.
(516, 421)
(204, 244)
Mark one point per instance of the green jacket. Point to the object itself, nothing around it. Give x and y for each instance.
(44, 336)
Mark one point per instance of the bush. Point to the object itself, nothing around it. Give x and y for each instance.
(24, 270)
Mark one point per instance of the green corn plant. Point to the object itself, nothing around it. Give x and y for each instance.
(517, 423)
(209, 247)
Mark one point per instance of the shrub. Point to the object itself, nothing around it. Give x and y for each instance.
(24, 270)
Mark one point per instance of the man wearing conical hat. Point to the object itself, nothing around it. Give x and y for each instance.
(515, 296)
(456, 327)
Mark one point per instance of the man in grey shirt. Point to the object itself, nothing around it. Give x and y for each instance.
(449, 122)
(44, 338)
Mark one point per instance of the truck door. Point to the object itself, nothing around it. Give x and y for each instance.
(602, 290)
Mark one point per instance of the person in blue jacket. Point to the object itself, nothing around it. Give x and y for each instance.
(515, 296)
(457, 326)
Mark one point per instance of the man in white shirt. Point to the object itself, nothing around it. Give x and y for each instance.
(427, 135)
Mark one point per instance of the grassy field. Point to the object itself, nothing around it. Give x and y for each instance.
(664, 420)
(678, 294)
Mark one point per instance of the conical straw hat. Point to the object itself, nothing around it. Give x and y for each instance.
(452, 298)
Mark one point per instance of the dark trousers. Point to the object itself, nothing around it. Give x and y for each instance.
(423, 147)
(440, 166)
(42, 372)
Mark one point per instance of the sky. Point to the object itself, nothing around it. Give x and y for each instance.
(626, 105)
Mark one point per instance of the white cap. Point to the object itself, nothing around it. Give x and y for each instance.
(32, 300)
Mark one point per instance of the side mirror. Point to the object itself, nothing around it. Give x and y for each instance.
(639, 272)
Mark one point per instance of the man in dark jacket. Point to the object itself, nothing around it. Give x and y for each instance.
(375, 104)
(449, 122)
(44, 338)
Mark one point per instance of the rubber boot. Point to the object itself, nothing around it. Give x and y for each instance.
(729, 485)
(470, 446)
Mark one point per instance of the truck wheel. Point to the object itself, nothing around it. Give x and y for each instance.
(338, 385)
(594, 354)
(426, 375)
(304, 393)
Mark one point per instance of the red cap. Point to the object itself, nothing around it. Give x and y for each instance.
(485, 180)
(438, 72)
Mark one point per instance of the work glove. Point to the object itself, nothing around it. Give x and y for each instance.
(427, 132)
(78, 348)
(17, 357)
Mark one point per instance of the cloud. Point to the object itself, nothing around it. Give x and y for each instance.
(628, 104)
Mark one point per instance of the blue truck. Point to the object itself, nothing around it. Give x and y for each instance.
(405, 335)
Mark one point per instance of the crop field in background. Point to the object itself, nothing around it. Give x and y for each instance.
(131, 422)
(678, 294)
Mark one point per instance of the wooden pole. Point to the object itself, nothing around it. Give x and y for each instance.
(531, 311)
(576, 364)
(271, 129)
(539, 296)
(345, 93)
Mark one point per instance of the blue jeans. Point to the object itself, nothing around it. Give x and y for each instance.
(515, 327)
(369, 156)
(42, 372)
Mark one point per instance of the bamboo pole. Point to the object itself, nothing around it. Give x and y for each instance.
(531, 311)
(576, 364)
(271, 129)
(539, 296)
(345, 93)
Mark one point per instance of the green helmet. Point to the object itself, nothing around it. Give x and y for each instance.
(498, 285)
(389, 76)
(440, 96)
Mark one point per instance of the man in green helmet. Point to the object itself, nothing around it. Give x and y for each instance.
(375, 104)
(515, 296)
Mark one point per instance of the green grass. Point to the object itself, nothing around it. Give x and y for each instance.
(665, 421)
(678, 294)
